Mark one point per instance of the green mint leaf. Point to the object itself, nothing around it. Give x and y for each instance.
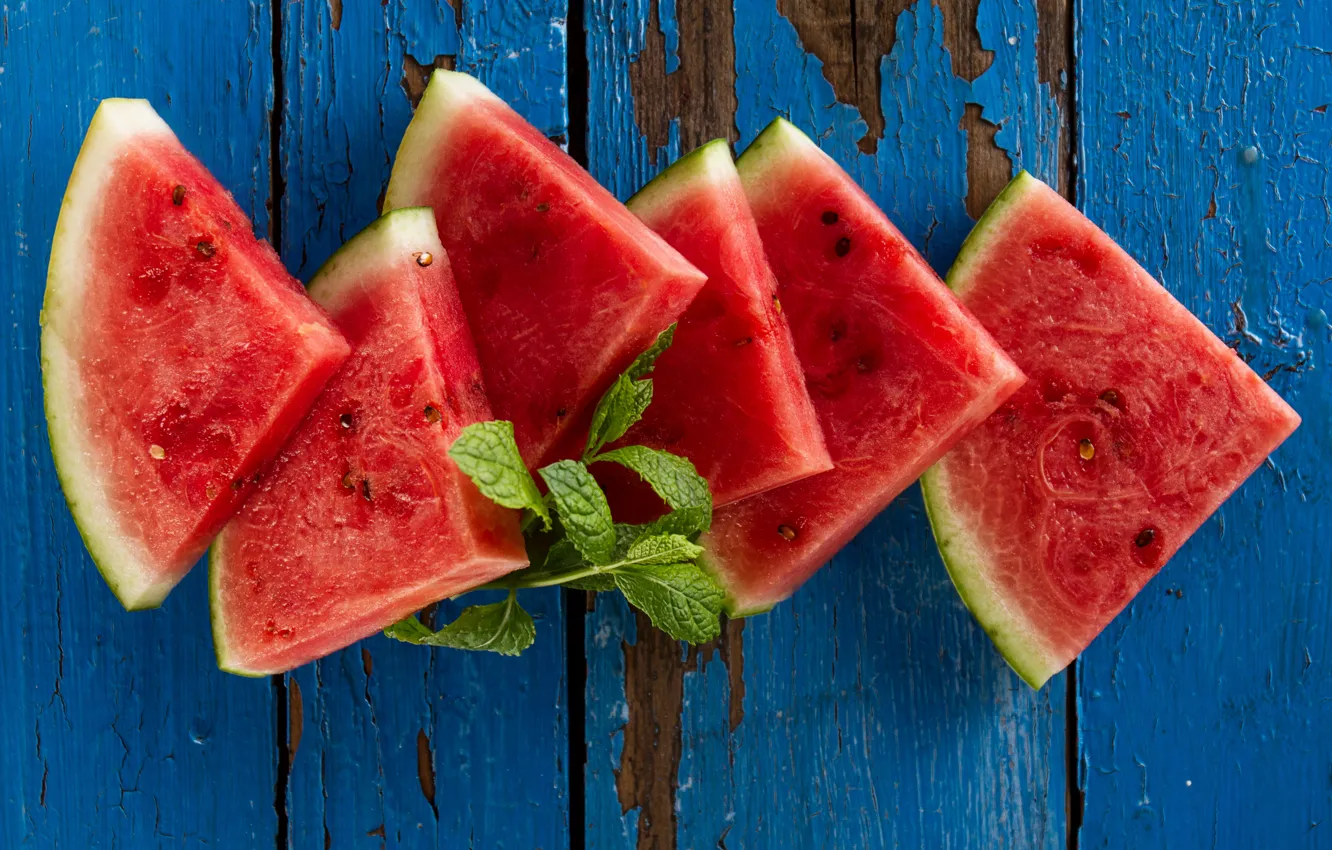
(503, 627)
(680, 599)
(644, 362)
(563, 555)
(584, 513)
(621, 407)
(677, 483)
(662, 549)
(597, 582)
(624, 403)
(487, 453)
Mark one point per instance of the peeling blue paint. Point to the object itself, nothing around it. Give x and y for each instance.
(496, 728)
(1206, 714)
(116, 729)
(875, 712)
(670, 29)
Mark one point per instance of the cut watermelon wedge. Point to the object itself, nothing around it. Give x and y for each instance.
(177, 353)
(1137, 423)
(728, 394)
(897, 368)
(365, 518)
(563, 287)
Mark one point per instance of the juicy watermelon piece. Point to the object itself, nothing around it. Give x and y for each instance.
(365, 518)
(562, 285)
(897, 368)
(1136, 425)
(177, 353)
(728, 394)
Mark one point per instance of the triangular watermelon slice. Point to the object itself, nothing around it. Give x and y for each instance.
(563, 287)
(728, 394)
(897, 368)
(365, 518)
(177, 353)
(1137, 424)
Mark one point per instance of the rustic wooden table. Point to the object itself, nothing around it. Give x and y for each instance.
(870, 711)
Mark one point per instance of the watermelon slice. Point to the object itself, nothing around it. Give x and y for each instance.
(365, 518)
(1137, 423)
(177, 353)
(562, 285)
(897, 368)
(728, 394)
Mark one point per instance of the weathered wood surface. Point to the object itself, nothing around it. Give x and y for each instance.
(116, 730)
(390, 744)
(869, 711)
(1204, 148)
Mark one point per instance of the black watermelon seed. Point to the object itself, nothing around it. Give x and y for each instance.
(178, 195)
(346, 421)
(237, 484)
(431, 414)
(365, 488)
(829, 217)
(1145, 538)
(205, 248)
(562, 412)
(843, 246)
(1112, 398)
(542, 207)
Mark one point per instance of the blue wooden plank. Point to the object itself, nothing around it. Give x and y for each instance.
(874, 712)
(1204, 143)
(116, 729)
(395, 745)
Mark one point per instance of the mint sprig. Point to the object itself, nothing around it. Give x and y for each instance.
(488, 454)
(502, 627)
(655, 565)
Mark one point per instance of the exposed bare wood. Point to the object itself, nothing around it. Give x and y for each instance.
(701, 91)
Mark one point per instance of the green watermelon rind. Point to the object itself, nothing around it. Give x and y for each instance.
(960, 276)
(407, 232)
(711, 158)
(778, 141)
(446, 92)
(116, 122)
(1016, 640)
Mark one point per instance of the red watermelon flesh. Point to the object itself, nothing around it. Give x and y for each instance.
(897, 368)
(728, 394)
(1137, 423)
(563, 287)
(177, 353)
(365, 518)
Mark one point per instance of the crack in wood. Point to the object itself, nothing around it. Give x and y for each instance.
(700, 93)
(425, 769)
(1056, 68)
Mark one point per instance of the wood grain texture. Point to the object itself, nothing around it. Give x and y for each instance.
(401, 746)
(873, 711)
(1204, 145)
(116, 729)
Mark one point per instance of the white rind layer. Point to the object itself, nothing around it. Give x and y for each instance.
(116, 125)
(446, 93)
